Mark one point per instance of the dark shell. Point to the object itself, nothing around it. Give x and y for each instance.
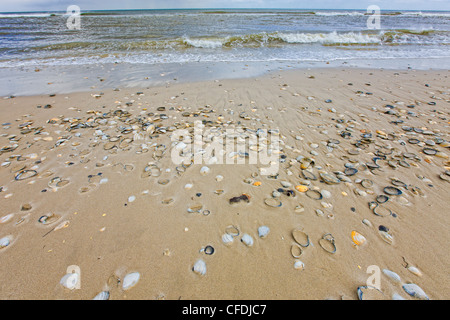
(314, 194)
(350, 171)
(393, 191)
(382, 198)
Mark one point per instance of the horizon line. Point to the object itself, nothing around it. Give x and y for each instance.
(160, 9)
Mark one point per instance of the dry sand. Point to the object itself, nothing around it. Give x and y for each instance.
(108, 236)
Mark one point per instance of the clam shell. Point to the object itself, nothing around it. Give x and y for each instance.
(314, 194)
(70, 280)
(263, 231)
(199, 267)
(296, 250)
(429, 151)
(382, 211)
(195, 208)
(329, 179)
(301, 238)
(392, 191)
(5, 241)
(386, 237)
(232, 231)
(130, 280)
(366, 183)
(247, 240)
(415, 291)
(271, 202)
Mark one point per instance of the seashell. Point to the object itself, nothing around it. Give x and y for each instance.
(441, 154)
(6, 218)
(195, 208)
(131, 198)
(296, 250)
(272, 202)
(367, 222)
(392, 191)
(209, 250)
(369, 293)
(415, 271)
(130, 280)
(415, 291)
(382, 198)
(5, 241)
(350, 171)
(301, 188)
(227, 239)
(247, 240)
(263, 231)
(306, 163)
(358, 238)
(392, 275)
(301, 238)
(62, 225)
(398, 183)
(327, 243)
(49, 219)
(199, 267)
(314, 194)
(396, 296)
(25, 174)
(429, 151)
(308, 175)
(328, 178)
(382, 211)
(219, 178)
(299, 265)
(70, 280)
(163, 181)
(188, 186)
(366, 183)
(104, 295)
(386, 237)
(232, 231)
(299, 209)
(204, 170)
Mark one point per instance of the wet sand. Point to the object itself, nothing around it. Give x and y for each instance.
(106, 236)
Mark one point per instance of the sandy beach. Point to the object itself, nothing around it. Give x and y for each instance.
(88, 184)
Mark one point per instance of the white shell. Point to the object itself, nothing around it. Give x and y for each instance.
(130, 280)
(392, 275)
(415, 291)
(104, 295)
(416, 271)
(227, 239)
(263, 231)
(396, 296)
(70, 280)
(4, 242)
(299, 265)
(204, 170)
(247, 240)
(200, 267)
(131, 198)
(6, 218)
(188, 186)
(219, 178)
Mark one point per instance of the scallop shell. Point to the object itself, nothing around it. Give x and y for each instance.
(247, 240)
(199, 267)
(415, 291)
(130, 280)
(358, 238)
(70, 280)
(263, 231)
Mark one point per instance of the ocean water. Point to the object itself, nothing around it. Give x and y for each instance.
(153, 38)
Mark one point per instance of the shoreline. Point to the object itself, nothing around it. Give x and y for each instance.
(66, 79)
(109, 234)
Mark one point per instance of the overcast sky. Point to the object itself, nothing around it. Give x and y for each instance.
(61, 5)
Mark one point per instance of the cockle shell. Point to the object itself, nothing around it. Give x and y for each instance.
(70, 280)
(247, 240)
(227, 239)
(200, 267)
(263, 231)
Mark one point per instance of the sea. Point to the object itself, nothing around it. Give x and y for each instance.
(55, 51)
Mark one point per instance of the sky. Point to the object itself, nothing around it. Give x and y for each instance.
(61, 5)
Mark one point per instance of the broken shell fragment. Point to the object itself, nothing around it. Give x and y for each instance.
(263, 231)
